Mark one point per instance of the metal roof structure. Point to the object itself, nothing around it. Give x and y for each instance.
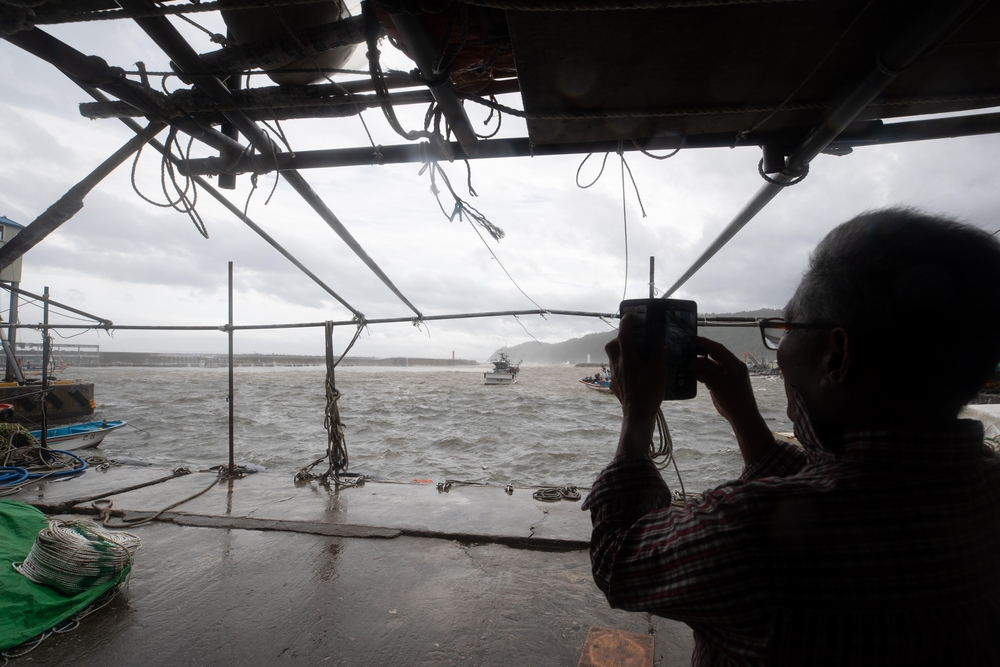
(792, 77)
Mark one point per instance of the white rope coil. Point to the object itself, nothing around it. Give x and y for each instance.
(75, 556)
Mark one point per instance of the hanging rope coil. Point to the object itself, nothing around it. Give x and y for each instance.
(662, 452)
(336, 452)
(796, 178)
(74, 556)
(14, 436)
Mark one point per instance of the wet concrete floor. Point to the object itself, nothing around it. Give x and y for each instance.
(261, 571)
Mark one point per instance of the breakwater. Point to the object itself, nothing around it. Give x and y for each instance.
(87, 355)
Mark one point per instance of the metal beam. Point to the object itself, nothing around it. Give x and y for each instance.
(70, 203)
(904, 48)
(271, 98)
(17, 290)
(858, 134)
(105, 10)
(94, 71)
(232, 208)
(341, 323)
(424, 52)
(173, 44)
(281, 107)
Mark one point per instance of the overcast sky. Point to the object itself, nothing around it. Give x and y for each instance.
(134, 263)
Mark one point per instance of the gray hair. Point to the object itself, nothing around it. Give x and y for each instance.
(919, 294)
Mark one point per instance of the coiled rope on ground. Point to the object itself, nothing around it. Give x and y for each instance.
(77, 555)
(14, 436)
(552, 494)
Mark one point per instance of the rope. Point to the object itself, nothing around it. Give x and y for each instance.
(377, 157)
(14, 436)
(104, 506)
(489, 118)
(212, 36)
(635, 186)
(552, 494)
(10, 480)
(796, 179)
(336, 451)
(74, 556)
(661, 157)
(183, 203)
(476, 218)
(372, 31)
(445, 486)
(72, 623)
(43, 463)
(664, 451)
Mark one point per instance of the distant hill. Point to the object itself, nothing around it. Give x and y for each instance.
(575, 350)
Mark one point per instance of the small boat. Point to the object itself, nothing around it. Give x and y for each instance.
(78, 436)
(600, 381)
(504, 372)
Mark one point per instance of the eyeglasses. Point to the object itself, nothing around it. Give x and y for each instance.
(772, 330)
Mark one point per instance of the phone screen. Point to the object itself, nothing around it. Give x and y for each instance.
(675, 320)
(682, 327)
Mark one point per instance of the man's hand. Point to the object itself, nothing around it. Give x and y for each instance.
(728, 380)
(639, 386)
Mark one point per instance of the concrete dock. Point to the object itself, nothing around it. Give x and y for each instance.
(262, 571)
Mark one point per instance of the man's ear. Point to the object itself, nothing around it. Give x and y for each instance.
(838, 358)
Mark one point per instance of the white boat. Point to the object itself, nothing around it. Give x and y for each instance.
(504, 372)
(78, 436)
(599, 381)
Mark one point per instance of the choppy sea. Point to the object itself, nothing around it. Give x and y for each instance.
(405, 423)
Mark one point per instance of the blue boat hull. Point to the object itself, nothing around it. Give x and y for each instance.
(78, 436)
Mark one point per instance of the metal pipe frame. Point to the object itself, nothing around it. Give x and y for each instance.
(858, 134)
(702, 321)
(341, 323)
(95, 72)
(104, 322)
(257, 109)
(84, 71)
(184, 56)
(108, 10)
(283, 97)
(232, 208)
(894, 59)
(424, 52)
(70, 203)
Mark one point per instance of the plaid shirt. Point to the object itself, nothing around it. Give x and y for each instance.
(887, 553)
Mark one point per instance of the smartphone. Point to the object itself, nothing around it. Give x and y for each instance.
(676, 321)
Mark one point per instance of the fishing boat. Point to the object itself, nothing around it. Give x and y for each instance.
(600, 381)
(504, 372)
(78, 436)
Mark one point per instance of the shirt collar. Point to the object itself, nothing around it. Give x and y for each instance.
(954, 444)
(958, 443)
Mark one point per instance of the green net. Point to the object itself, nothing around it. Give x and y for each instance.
(29, 608)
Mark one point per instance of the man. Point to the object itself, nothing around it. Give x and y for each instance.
(877, 542)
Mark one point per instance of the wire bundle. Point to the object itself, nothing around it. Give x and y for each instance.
(74, 556)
